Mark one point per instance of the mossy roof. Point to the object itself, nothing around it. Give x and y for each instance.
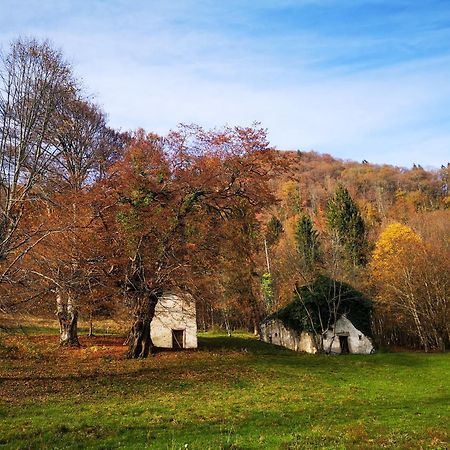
(314, 304)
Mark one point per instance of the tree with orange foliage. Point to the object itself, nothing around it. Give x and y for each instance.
(181, 198)
(70, 261)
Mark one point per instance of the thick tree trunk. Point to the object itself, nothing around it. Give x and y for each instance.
(140, 341)
(68, 321)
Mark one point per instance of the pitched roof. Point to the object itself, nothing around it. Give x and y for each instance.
(314, 304)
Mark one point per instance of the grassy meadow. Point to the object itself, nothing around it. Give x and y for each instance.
(232, 393)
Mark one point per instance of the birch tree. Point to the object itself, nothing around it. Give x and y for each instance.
(410, 275)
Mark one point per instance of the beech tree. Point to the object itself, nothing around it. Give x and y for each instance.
(180, 199)
(71, 264)
(86, 149)
(70, 260)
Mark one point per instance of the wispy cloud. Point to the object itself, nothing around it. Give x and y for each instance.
(358, 79)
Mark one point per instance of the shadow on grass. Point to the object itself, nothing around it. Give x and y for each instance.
(284, 356)
(257, 401)
(252, 354)
(51, 330)
(28, 329)
(244, 344)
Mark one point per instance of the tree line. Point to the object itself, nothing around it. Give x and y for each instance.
(384, 230)
(91, 215)
(96, 221)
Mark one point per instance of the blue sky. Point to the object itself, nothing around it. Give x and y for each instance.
(360, 79)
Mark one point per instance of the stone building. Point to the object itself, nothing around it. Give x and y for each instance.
(324, 303)
(175, 323)
(343, 337)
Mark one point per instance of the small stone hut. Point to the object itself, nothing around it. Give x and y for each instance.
(174, 324)
(299, 325)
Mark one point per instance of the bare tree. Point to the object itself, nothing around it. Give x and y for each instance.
(34, 82)
(85, 145)
(54, 144)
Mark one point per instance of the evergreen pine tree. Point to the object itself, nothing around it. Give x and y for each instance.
(307, 240)
(274, 230)
(344, 219)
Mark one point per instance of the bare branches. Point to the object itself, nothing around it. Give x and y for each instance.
(34, 81)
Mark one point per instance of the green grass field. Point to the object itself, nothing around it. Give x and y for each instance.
(233, 393)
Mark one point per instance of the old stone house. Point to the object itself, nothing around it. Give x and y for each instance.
(175, 323)
(344, 337)
(326, 315)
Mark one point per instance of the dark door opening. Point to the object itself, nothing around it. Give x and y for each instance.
(177, 339)
(343, 341)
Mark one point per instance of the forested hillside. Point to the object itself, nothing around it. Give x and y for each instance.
(298, 239)
(99, 223)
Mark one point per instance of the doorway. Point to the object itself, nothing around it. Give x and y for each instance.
(343, 341)
(177, 339)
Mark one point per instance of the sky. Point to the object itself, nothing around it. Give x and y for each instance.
(359, 79)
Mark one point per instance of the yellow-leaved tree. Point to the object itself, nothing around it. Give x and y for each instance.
(393, 245)
(410, 276)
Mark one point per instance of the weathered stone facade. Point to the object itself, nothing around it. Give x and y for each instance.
(357, 342)
(175, 324)
(344, 337)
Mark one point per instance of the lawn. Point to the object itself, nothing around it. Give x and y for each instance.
(233, 393)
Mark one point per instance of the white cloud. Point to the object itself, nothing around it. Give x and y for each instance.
(156, 70)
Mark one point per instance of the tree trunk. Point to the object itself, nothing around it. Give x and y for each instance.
(68, 321)
(226, 323)
(140, 340)
(441, 344)
(422, 337)
(91, 327)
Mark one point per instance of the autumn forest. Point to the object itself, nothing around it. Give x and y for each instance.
(97, 223)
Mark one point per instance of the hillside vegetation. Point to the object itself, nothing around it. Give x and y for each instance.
(97, 223)
(353, 221)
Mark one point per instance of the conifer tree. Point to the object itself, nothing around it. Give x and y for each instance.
(274, 230)
(307, 241)
(345, 221)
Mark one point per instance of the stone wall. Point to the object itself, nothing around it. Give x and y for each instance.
(174, 312)
(357, 341)
(274, 332)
